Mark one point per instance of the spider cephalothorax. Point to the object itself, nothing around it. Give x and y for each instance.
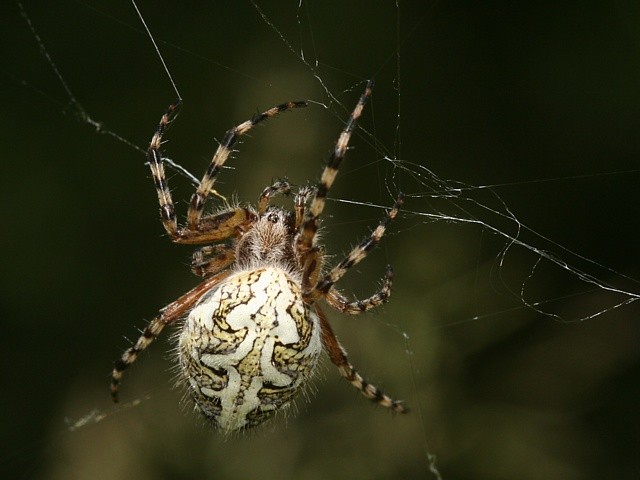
(269, 241)
(253, 330)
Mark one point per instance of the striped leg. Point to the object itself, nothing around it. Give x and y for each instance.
(281, 187)
(211, 259)
(149, 334)
(340, 303)
(339, 358)
(195, 228)
(355, 256)
(311, 222)
(300, 203)
(219, 226)
(311, 268)
(167, 209)
(222, 153)
(171, 313)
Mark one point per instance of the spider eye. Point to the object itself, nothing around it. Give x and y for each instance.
(273, 217)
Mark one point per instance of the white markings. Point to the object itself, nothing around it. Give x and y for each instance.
(248, 347)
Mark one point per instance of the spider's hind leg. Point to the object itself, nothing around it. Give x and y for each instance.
(149, 334)
(339, 358)
(169, 314)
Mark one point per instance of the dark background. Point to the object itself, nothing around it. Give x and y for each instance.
(541, 101)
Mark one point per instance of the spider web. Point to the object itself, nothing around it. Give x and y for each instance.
(490, 275)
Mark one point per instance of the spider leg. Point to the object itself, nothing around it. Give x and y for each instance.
(219, 226)
(336, 300)
(172, 312)
(355, 256)
(279, 187)
(312, 218)
(222, 153)
(192, 233)
(339, 358)
(300, 202)
(167, 209)
(211, 259)
(149, 334)
(311, 268)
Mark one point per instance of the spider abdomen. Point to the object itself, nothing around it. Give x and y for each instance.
(248, 347)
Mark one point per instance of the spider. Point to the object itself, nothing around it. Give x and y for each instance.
(252, 331)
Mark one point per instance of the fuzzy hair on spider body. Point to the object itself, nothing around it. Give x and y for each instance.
(269, 242)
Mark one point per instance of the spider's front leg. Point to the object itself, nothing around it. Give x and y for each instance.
(311, 223)
(201, 229)
(167, 209)
(220, 226)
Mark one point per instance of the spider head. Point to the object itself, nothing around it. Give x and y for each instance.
(278, 219)
(269, 241)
